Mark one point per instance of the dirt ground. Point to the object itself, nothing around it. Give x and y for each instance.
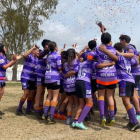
(13, 127)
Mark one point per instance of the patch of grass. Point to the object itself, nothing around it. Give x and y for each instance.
(13, 84)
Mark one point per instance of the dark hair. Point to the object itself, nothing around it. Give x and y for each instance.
(133, 46)
(2, 49)
(126, 38)
(64, 56)
(71, 55)
(105, 38)
(92, 44)
(45, 42)
(119, 47)
(52, 46)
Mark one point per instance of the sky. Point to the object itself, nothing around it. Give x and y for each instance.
(75, 22)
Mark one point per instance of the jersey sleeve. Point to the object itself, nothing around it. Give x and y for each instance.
(94, 65)
(58, 61)
(2, 61)
(91, 55)
(130, 50)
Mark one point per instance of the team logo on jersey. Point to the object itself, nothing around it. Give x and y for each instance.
(121, 89)
(24, 84)
(39, 79)
(1, 61)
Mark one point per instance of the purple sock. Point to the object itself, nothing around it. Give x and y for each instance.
(52, 110)
(20, 105)
(84, 113)
(36, 110)
(111, 113)
(75, 120)
(61, 112)
(106, 109)
(101, 104)
(131, 113)
(56, 111)
(29, 104)
(46, 110)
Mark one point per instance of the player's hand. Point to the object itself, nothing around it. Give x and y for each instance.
(64, 46)
(14, 57)
(113, 63)
(102, 48)
(19, 56)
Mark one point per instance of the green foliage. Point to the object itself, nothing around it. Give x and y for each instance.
(20, 21)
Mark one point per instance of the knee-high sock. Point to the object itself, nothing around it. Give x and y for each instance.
(69, 114)
(111, 111)
(85, 111)
(47, 105)
(101, 104)
(29, 103)
(22, 100)
(131, 113)
(106, 109)
(37, 109)
(53, 106)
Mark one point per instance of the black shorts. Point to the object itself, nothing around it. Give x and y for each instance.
(53, 86)
(137, 80)
(70, 93)
(2, 84)
(28, 84)
(126, 89)
(83, 89)
(101, 87)
(94, 86)
(61, 86)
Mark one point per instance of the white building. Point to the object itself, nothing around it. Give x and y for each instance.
(9, 72)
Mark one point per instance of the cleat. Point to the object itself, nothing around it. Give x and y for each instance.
(2, 113)
(81, 126)
(68, 121)
(51, 119)
(73, 125)
(128, 126)
(134, 127)
(138, 117)
(111, 121)
(103, 121)
(55, 115)
(61, 117)
(29, 112)
(20, 113)
(38, 115)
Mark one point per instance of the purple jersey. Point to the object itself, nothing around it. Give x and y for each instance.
(107, 75)
(135, 69)
(86, 70)
(3, 61)
(69, 83)
(123, 66)
(85, 54)
(41, 66)
(52, 72)
(29, 67)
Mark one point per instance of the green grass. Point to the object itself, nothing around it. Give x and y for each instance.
(13, 84)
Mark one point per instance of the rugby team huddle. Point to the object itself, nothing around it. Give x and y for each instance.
(74, 80)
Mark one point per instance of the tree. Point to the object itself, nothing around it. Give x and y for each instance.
(20, 22)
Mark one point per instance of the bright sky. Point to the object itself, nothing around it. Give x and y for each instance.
(75, 21)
